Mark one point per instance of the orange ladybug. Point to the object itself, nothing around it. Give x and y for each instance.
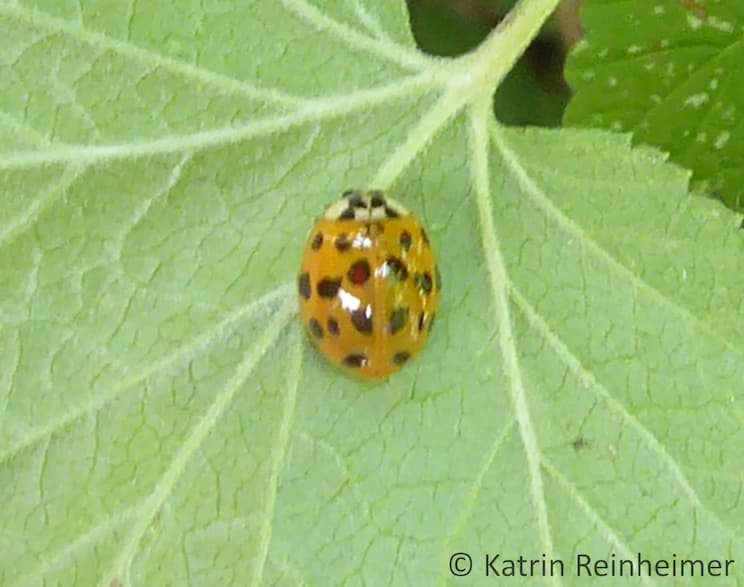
(368, 285)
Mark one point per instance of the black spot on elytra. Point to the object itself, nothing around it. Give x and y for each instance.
(355, 360)
(405, 240)
(396, 268)
(342, 243)
(391, 212)
(328, 288)
(361, 321)
(332, 327)
(317, 242)
(422, 321)
(347, 214)
(398, 319)
(303, 285)
(359, 272)
(401, 357)
(315, 328)
(423, 282)
(424, 237)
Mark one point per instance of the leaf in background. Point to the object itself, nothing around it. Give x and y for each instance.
(670, 71)
(163, 420)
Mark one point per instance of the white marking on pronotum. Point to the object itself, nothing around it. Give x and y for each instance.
(366, 206)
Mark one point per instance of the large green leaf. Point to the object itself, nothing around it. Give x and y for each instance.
(670, 71)
(163, 420)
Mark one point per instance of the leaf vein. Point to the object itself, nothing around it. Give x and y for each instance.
(188, 71)
(370, 22)
(410, 59)
(38, 205)
(24, 131)
(587, 378)
(87, 539)
(538, 195)
(417, 138)
(468, 503)
(314, 111)
(279, 455)
(164, 487)
(100, 399)
(604, 529)
(499, 284)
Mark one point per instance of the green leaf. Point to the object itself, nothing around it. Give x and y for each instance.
(163, 419)
(670, 71)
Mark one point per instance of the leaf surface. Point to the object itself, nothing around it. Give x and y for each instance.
(670, 71)
(163, 419)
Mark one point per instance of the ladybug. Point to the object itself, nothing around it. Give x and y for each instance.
(368, 284)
